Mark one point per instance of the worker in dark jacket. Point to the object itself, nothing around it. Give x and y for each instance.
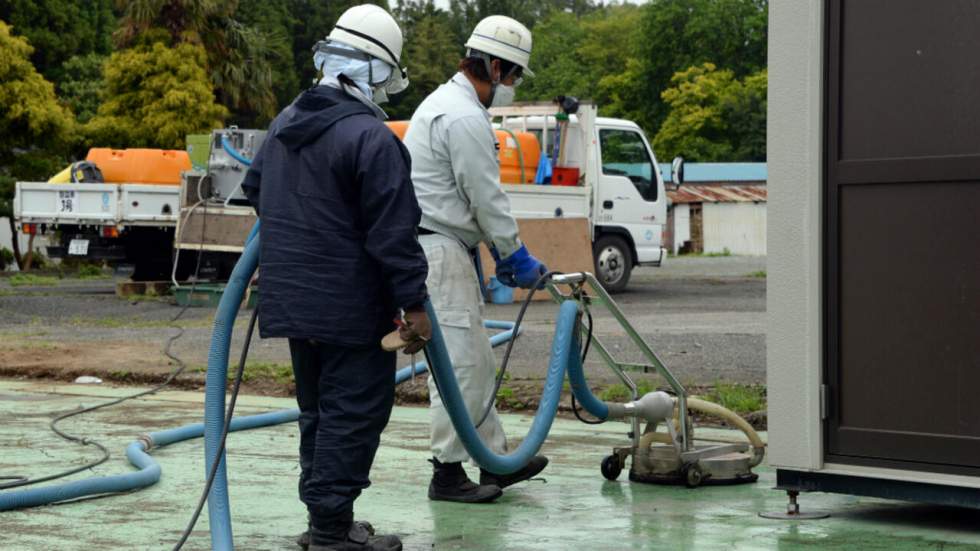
(339, 260)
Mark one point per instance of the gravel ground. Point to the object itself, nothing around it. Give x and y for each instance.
(704, 317)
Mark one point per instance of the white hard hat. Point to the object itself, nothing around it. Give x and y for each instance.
(503, 37)
(373, 31)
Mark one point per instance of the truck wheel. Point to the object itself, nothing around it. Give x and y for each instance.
(613, 262)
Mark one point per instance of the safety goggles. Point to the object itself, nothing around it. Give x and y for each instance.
(396, 81)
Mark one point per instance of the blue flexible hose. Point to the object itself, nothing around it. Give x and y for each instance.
(230, 150)
(564, 355)
(215, 387)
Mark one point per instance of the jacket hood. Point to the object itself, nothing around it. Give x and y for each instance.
(313, 112)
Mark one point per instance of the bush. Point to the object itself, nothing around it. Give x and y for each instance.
(6, 258)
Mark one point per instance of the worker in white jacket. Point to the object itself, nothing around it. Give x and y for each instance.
(456, 176)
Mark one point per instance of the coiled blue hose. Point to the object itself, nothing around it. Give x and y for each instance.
(564, 355)
(149, 471)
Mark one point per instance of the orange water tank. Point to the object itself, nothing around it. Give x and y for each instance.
(399, 128)
(510, 154)
(142, 166)
(514, 146)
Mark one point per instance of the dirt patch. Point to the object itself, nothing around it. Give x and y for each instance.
(58, 360)
(143, 364)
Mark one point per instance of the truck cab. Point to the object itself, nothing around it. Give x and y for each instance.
(630, 203)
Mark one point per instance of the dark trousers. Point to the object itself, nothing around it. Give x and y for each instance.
(345, 396)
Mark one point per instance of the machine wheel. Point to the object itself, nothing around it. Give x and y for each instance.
(693, 475)
(613, 262)
(611, 467)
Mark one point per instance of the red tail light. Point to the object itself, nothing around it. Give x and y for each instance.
(110, 231)
(29, 229)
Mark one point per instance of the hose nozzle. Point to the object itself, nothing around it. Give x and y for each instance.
(652, 407)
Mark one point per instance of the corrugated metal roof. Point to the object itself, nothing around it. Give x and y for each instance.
(720, 172)
(718, 193)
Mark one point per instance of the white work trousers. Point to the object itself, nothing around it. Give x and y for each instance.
(455, 295)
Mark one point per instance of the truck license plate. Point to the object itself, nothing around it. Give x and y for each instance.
(78, 247)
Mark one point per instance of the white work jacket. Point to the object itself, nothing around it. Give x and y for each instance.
(456, 171)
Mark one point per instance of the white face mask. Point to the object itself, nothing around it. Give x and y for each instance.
(503, 96)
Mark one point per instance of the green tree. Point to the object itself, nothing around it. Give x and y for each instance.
(714, 116)
(155, 96)
(582, 55)
(239, 58)
(557, 69)
(60, 29)
(34, 128)
(678, 34)
(465, 14)
(431, 54)
(315, 19)
(81, 85)
(273, 19)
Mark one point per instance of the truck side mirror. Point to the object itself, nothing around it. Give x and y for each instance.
(677, 171)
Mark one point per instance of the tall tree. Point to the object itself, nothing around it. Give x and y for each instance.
(315, 19)
(81, 85)
(60, 29)
(577, 55)
(239, 60)
(678, 34)
(431, 54)
(34, 127)
(154, 96)
(273, 19)
(713, 116)
(465, 14)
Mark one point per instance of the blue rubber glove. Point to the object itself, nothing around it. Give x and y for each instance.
(519, 269)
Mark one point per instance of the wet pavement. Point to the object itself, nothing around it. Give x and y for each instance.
(573, 507)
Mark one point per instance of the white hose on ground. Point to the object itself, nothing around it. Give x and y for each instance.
(714, 410)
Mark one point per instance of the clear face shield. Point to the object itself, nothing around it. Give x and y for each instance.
(382, 79)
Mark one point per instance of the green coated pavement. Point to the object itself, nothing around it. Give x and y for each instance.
(573, 507)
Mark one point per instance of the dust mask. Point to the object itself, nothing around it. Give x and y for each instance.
(503, 96)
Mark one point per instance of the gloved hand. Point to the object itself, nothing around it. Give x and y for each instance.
(519, 269)
(417, 330)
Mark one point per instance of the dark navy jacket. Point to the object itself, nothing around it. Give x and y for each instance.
(339, 247)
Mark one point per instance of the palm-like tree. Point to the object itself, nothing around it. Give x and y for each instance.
(239, 58)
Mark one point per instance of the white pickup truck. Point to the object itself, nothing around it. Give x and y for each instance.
(115, 222)
(620, 191)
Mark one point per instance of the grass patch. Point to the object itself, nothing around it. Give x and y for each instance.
(31, 344)
(760, 274)
(724, 252)
(619, 393)
(741, 399)
(280, 373)
(32, 280)
(119, 323)
(91, 271)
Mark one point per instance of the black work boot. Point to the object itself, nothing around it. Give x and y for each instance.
(533, 467)
(359, 536)
(303, 540)
(450, 483)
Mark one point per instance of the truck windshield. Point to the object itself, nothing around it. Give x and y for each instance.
(624, 153)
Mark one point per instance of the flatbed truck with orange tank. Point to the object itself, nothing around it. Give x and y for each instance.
(586, 191)
(123, 211)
